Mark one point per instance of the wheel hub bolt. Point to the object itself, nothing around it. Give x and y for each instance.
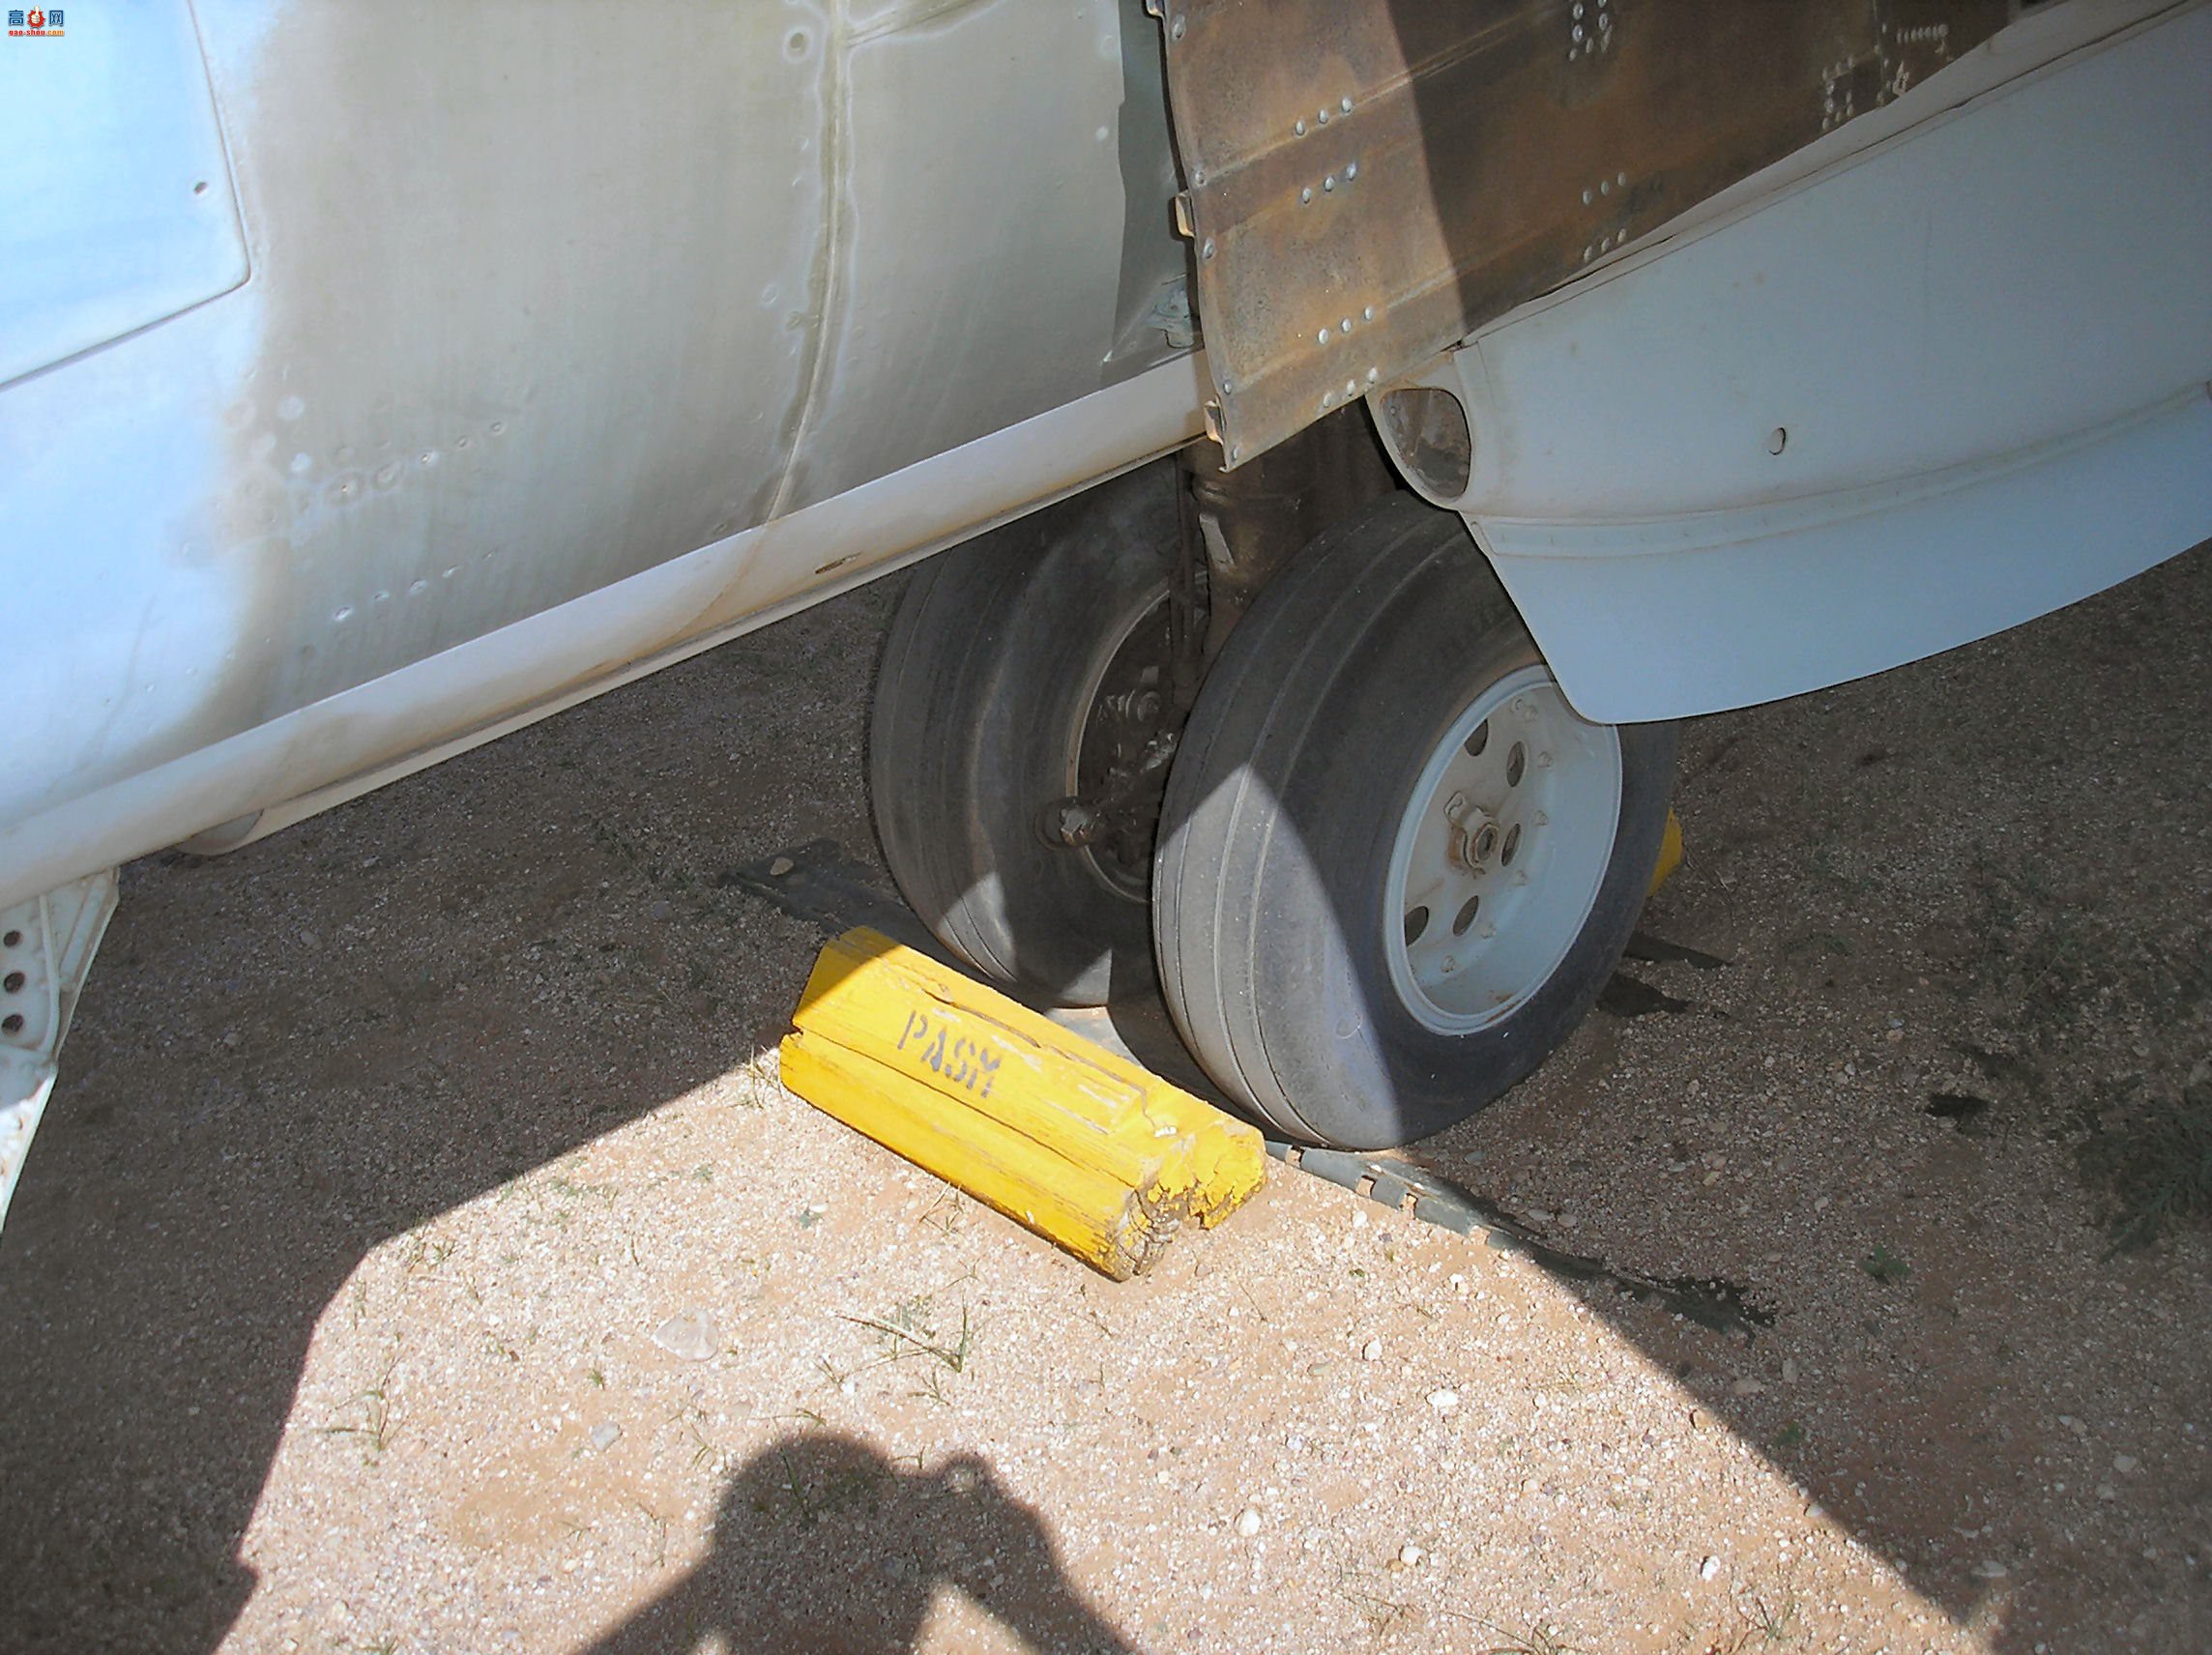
(1071, 823)
(1473, 834)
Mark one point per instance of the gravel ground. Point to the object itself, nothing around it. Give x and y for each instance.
(421, 1253)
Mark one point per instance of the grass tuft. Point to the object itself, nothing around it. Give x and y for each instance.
(1884, 1266)
(2157, 1166)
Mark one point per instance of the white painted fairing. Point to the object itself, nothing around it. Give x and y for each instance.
(545, 297)
(1925, 391)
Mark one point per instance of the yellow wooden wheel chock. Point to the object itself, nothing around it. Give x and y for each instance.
(1072, 1141)
(1077, 1143)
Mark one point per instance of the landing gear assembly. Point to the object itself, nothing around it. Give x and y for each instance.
(1275, 740)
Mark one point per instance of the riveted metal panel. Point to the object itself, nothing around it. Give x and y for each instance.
(1369, 184)
(1932, 388)
(546, 296)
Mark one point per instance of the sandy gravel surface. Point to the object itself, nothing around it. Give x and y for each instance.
(421, 1255)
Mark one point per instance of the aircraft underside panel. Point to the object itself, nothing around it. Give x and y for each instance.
(1930, 389)
(1369, 184)
(522, 301)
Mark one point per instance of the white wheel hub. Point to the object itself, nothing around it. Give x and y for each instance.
(1500, 854)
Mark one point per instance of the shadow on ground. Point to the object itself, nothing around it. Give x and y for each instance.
(292, 1055)
(822, 1543)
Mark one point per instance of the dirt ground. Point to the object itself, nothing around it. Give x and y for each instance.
(420, 1255)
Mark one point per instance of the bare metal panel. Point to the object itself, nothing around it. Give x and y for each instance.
(1368, 183)
(417, 714)
(965, 292)
(546, 295)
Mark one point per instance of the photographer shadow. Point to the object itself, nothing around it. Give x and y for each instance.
(824, 1545)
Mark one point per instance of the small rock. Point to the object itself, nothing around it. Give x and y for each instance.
(1990, 1569)
(1746, 1387)
(2125, 1463)
(1444, 1401)
(780, 866)
(1788, 1371)
(605, 1436)
(1710, 1569)
(1248, 1521)
(2105, 1491)
(1410, 1555)
(1458, 1284)
(690, 1335)
(1896, 1037)
(1371, 1351)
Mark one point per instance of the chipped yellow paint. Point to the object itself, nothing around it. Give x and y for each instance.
(1078, 1145)
(1669, 854)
